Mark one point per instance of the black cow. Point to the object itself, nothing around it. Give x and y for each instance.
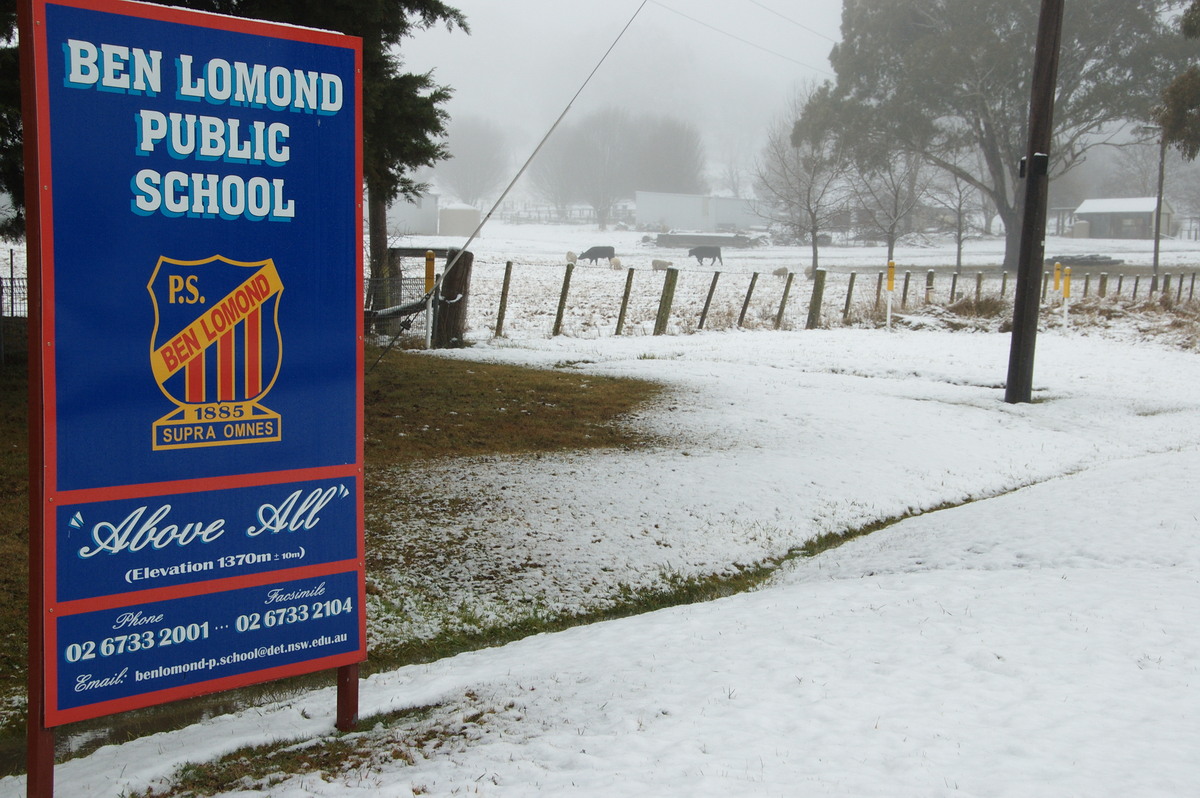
(596, 253)
(700, 253)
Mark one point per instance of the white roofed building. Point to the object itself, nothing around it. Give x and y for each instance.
(1122, 217)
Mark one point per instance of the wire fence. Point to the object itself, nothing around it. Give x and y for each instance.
(14, 296)
(587, 301)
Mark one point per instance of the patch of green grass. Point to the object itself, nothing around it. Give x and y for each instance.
(421, 407)
(673, 590)
(831, 540)
(417, 407)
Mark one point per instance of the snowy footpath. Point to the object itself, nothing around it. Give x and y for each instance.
(1029, 629)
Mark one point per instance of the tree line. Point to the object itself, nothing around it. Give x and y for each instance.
(597, 160)
(931, 100)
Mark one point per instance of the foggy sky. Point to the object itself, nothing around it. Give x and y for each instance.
(728, 66)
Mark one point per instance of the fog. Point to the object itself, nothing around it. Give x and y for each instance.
(727, 66)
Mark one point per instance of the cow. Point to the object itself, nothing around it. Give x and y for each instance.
(596, 253)
(700, 253)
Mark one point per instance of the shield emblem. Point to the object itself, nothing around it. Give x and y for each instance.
(216, 350)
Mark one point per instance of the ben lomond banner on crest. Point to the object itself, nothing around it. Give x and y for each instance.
(216, 350)
(196, 238)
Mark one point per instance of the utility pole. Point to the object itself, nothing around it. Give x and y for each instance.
(1158, 201)
(1036, 171)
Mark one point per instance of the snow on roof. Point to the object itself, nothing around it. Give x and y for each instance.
(1119, 205)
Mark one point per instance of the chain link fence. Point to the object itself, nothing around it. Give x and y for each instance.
(14, 296)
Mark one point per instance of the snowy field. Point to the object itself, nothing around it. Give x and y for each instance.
(538, 254)
(1028, 629)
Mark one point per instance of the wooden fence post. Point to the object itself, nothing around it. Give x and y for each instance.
(1102, 290)
(814, 304)
(712, 289)
(625, 301)
(849, 298)
(1003, 283)
(1166, 286)
(929, 286)
(746, 304)
(562, 300)
(1120, 282)
(1087, 283)
(1192, 288)
(978, 287)
(904, 296)
(1137, 278)
(878, 290)
(953, 287)
(1179, 290)
(450, 318)
(787, 289)
(503, 300)
(1045, 285)
(665, 302)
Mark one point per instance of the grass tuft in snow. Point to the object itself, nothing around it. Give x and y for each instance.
(406, 733)
(831, 540)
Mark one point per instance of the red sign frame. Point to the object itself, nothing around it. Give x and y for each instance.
(48, 498)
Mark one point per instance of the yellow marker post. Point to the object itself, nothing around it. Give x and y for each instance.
(1057, 275)
(1066, 288)
(429, 258)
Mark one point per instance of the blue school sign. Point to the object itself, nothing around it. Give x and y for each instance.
(197, 238)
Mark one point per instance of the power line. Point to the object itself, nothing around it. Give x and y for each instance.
(454, 261)
(794, 22)
(744, 41)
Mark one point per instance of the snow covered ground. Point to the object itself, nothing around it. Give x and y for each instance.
(1028, 630)
(538, 254)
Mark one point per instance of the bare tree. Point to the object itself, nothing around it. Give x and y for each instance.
(609, 155)
(479, 160)
(732, 175)
(603, 169)
(801, 175)
(552, 174)
(1134, 170)
(669, 156)
(888, 190)
(959, 198)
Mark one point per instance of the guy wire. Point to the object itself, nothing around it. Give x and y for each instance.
(458, 253)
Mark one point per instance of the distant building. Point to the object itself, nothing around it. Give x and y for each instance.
(458, 220)
(419, 218)
(661, 211)
(1126, 217)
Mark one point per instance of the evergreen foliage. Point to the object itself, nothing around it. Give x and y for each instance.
(402, 114)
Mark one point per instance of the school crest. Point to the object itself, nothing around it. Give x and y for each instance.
(216, 350)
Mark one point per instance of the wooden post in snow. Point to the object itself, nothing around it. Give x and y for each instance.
(712, 288)
(787, 289)
(450, 320)
(665, 301)
(814, 304)
(746, 304)
(503, 299)
(625, 301)
(562, 300)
